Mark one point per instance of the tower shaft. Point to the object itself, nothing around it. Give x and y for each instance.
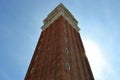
(59, 54)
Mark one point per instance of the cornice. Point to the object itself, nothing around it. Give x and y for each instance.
(58, 11)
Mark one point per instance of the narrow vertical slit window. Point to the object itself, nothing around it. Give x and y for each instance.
(66, 50)
(65, 31)
(32, 70)
(68, 66)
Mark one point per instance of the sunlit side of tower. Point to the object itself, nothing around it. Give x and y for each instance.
(59, 54)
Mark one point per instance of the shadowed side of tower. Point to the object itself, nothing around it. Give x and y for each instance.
(59, 54)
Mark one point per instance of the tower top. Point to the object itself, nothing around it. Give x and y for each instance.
(58, 11)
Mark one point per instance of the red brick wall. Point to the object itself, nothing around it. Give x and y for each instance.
(59, 44)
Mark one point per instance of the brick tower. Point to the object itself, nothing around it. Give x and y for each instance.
(59, 54)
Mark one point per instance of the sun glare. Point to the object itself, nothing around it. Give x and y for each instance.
(96, 59)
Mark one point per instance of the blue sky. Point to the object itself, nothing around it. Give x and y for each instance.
(21, 20)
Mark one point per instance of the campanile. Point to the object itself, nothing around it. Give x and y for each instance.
(59, 54)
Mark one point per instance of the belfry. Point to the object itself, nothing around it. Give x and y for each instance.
(59, 54)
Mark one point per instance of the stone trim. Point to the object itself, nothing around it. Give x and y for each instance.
(58, 11)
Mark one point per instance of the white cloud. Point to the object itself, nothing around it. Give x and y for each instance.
(98, 62)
